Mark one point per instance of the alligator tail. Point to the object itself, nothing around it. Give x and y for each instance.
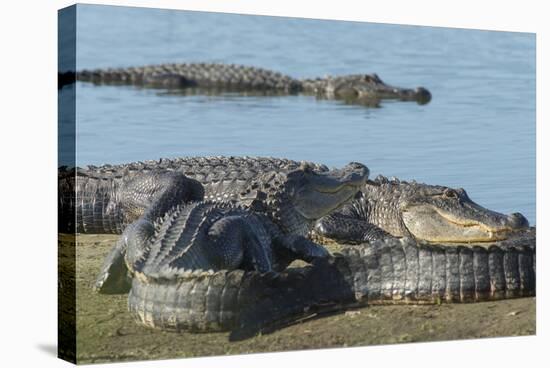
(105, 203)
(398, 271)
(85, 205)
(228, 300)
(402, 271)
(198, 301)
(385, 272)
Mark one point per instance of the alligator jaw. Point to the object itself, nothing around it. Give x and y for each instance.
(432, 224)
(325, 192)
(329, 202)
(420, 94)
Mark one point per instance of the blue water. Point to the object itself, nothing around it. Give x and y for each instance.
(478, 132)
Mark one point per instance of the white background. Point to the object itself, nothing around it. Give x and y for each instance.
(28, 56)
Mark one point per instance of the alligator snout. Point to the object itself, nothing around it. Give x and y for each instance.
(423, 96)
(355, 173)
(517, 221)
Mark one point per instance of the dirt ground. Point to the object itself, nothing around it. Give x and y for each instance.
(106, 332)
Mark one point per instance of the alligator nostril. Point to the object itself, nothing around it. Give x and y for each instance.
(359, 168)
(423, 96)
(518, 221)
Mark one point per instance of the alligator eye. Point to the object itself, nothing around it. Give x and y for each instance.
(449, 193)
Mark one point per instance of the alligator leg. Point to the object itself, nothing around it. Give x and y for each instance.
(153, 195)
(297, 293)
(348, 229)
(237, 244)
(290, 247)
(113, 277)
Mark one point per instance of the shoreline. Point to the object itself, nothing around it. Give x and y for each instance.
(106, 332)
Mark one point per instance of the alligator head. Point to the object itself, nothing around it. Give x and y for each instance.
(435, 213)
(369, 87)
(295, 199)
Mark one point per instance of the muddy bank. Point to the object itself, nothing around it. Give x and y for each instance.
(106, 332)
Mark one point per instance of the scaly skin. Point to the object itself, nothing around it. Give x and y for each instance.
(367, 89)
(105, 203)
(290, 201)
(254, 298)
(102, 189)
(425, 212)
(392, 271)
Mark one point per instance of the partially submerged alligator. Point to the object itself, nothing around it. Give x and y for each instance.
(360, 88)
(434, 213)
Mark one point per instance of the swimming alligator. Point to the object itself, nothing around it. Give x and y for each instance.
(434, 213)
(366, 89)
(281, 208)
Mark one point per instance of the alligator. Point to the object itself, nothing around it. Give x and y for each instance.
(192, 243)
(211, 266)
(100, 202)
(291, 201)
(389, 271)
(367, 89)
(204, 167)
(102, 188)
(368, 217)
(255, 290)
(218, 266)
(433, 213)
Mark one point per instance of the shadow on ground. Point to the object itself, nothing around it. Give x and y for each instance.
(50, 349)
(106, 332)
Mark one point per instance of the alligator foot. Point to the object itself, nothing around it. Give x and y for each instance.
(296, 295)
(113, 277)
(291, 247)
(347, 229)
